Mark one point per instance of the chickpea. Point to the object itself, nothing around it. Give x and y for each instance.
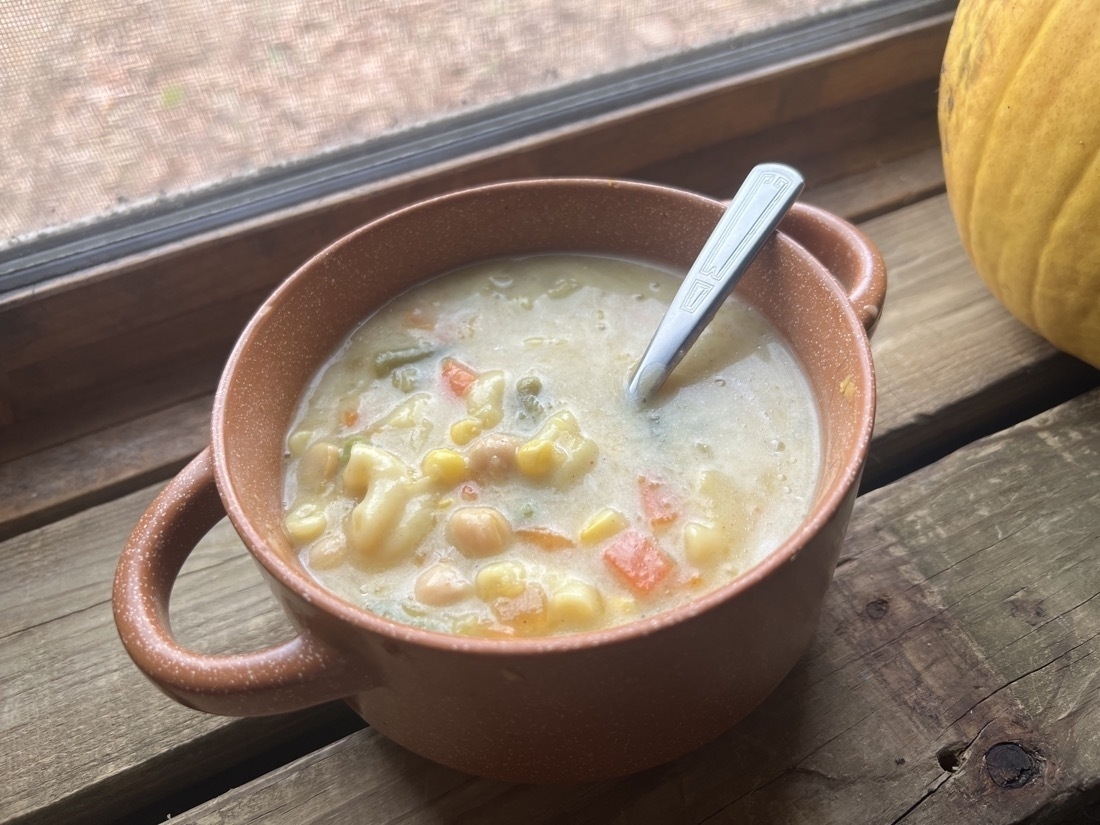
(328, 552)
(477, 532)
(493, 457)
(440, 585)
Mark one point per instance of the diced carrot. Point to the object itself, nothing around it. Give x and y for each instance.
(458, 376)
(419, 318)
(349, 417)
(660, 505)
(544, 538)
(637, 560)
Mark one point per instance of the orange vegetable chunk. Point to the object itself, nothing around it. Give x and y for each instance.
(637, 560)
(544, 538)
(458, 376)
(660, 505)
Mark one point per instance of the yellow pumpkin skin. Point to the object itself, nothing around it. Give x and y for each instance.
(1019, 118)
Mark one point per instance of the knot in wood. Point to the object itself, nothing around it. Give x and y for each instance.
(877, 608)
(1010, 766)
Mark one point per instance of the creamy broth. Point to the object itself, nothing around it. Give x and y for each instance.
(468, 461)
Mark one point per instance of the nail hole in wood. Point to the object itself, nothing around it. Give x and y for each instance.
(950, 757)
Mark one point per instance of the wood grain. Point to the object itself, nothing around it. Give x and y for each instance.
(965, 615)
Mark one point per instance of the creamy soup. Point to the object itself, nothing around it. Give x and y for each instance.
(468, 460)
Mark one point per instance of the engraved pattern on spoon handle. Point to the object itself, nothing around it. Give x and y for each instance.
(755, 211)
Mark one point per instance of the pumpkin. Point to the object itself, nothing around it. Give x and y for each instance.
(1019, 118)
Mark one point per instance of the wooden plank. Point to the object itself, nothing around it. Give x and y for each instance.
(955, 677)
(70, 692)
(884, 187)
(846, 140)
(88, 314)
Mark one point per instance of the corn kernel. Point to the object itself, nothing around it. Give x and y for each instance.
(538, 457)
(444, 467)
(704, 546)
(465, 431)
(500, 580)
(576, 605)
(603, 525)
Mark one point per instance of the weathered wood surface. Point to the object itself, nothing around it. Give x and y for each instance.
(955, 677)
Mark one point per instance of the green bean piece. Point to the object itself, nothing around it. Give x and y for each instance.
(387, 361)
(405, 378)
(527, 390)
(345, 452)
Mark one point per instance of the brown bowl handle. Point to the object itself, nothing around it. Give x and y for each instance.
(853, 261)
(295, 674)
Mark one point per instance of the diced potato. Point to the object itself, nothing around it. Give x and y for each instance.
(441, 584)
(305, 523)
(445, 467)
(477, 532)
(465, 430)
(527, 612)
(500, 580)
(729, 505)
(603, 525)
(319, 464)
(576, 605)
(485, 399)
(704, 546)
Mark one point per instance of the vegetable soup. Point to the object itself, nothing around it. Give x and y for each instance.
(468, 460)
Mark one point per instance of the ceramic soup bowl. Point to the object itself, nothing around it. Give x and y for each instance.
(573, 707)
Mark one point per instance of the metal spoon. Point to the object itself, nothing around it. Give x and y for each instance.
(763, 199)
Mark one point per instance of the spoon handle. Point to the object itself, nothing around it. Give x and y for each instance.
(763, 199)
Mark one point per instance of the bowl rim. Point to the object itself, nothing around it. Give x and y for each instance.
(829, 499)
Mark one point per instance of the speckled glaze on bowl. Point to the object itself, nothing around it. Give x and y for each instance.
(567, 708)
